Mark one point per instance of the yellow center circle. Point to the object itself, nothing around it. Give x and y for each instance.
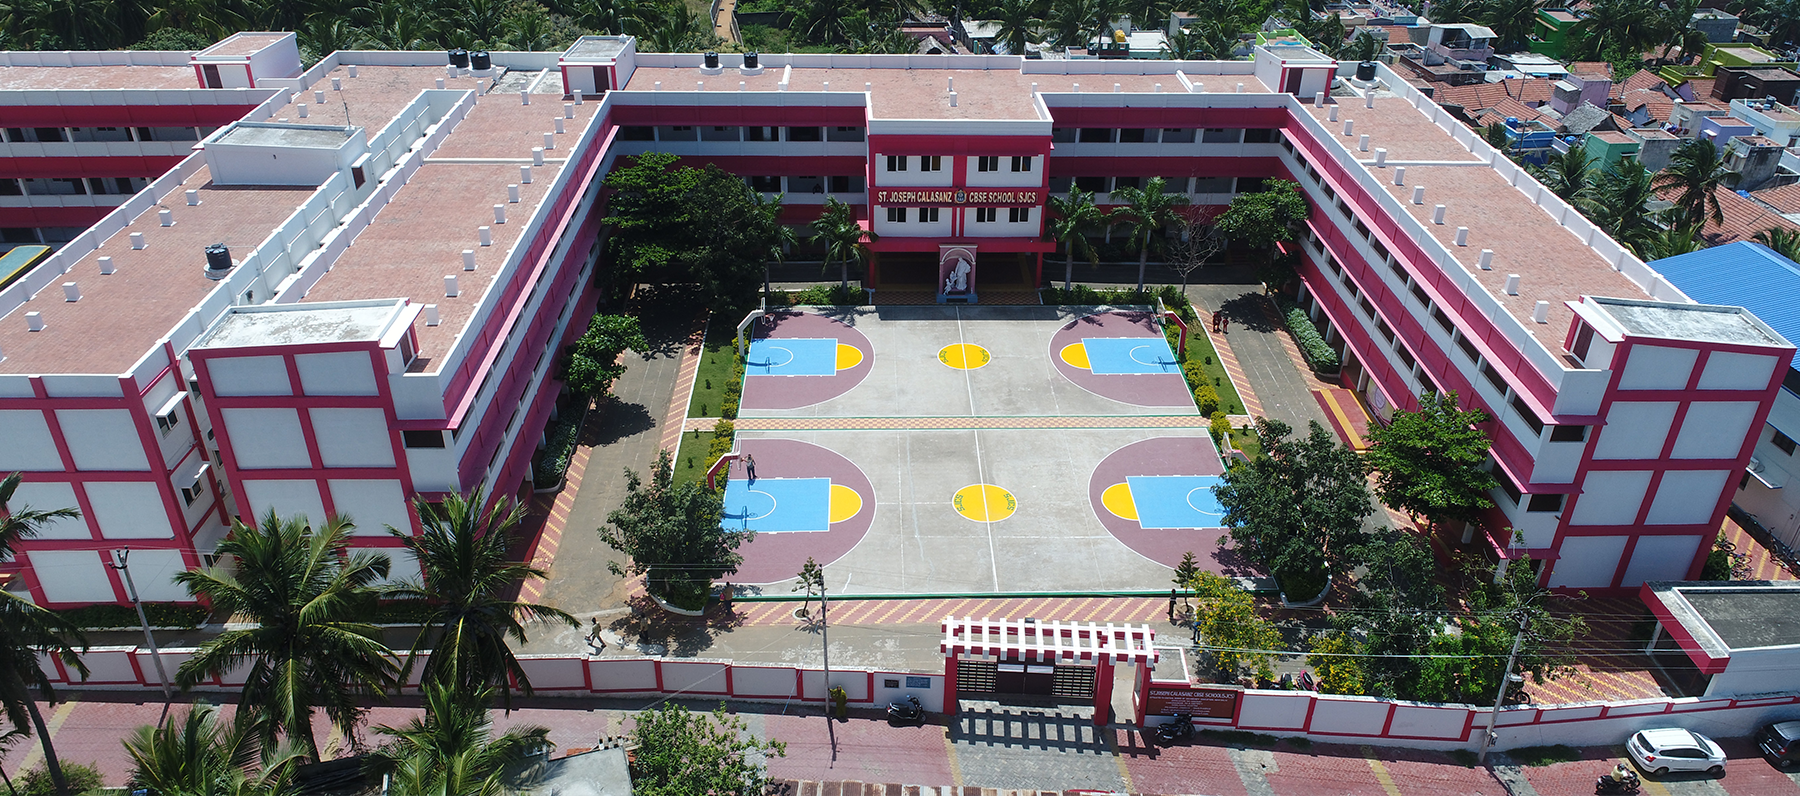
(1076, 355)
(984, 503)
(848, 356)
(845, 502)
(964, 356)
(1117, 499)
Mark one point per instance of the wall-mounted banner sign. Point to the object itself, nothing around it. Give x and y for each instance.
(957, 196)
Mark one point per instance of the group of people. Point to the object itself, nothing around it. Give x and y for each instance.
(1221, 323)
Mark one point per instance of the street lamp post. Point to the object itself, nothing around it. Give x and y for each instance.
(119, 562)
(1507, 680)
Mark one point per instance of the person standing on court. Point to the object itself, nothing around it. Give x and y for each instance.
(750, 466)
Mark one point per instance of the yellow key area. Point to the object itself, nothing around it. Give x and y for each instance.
(848, 356)
(1076, 355)
(964, 356)
(845, 502)
(984, 503)
(1117, 499)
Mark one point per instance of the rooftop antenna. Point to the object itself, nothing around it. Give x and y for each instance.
(349, 129)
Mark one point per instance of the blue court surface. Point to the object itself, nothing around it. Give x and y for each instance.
(1176, 501)
(1118, 355)
(775, 505)
(783, 356)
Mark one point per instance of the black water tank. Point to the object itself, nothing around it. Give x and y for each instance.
(218, 260)
(750, 59)
(459, 58)
(712, 60)
(1365, 71)
(479, 61)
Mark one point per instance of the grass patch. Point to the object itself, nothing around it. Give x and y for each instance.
(1246, 440)
(1200, 349)
(1463, 757)
(1241, 738)
(690, 460)
(1544, 755)
(718, 367)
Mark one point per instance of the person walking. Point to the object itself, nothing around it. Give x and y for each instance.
(1171, 605)
(1224, 323)
(750, 467)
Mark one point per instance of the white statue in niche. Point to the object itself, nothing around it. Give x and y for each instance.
(958, 281)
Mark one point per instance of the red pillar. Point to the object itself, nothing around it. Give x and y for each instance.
(1103, 687)
(950, 706)
(1143, 690)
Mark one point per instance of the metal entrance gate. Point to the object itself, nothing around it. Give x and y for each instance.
(977, 677)
(1074, 682)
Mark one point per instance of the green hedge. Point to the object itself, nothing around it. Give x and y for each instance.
(1171, 296)
(723, 432)
(823, 296)
(1312, 344)
(90, 617)
(548, 466)
(1221, 427)
(734, 388)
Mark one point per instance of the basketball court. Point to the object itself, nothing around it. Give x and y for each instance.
(971, 450)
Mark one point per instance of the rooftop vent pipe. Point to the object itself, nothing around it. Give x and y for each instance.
(137, 240)
(1462, 236)
(106, 266)
(711, 59)
(166, 216)
(1541, 313)
(218, 261)
(34, 321)
(1512, 284)
(193, 198)
(1437, 214)
(431, 315)
(1487, 260)
(71, 292)
(450, 286)
(1418, 194)
(468, 259)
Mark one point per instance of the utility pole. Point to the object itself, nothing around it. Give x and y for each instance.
(119, 558)
(1507, 679)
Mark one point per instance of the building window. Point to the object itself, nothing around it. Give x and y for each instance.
(1442, 320)
(1530, 417)
(988, 163)
(1126, 182)
(896, 163)
(896, 215)
(1135, 135)
(765, 184)
(1494, 377)
(1568, 433)
(761, 133)
(928, 215)
(1018, 215)
(931, 163)
(1220, 135)
(1784, 442)
(1021, 163)
(189, 494)
(1096, 135)
(1506, 484)
(637, 133)
(1544, 503)
(984, 215)
(847, 184)
(1259, 135)
(422, 439)
(1091, 184)
(805, 134)
(1177, 135)
(844, 134)
(1584, 339)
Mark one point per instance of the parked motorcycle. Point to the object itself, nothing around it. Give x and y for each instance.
(1626, 782)
(1180, 728)
(906, 711)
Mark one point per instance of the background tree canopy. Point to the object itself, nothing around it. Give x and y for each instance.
(699, 228)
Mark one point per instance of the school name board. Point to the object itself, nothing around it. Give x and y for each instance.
(1201, 703)
(946, 196)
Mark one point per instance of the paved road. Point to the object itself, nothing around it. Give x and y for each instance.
(1028, 747)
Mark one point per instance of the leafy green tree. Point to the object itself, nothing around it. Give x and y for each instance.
(844, 239)
(1396, 610)
(1148, 213)
(1569, 175)
(1265, 218)
(672, 534)
(452, 751)
(1298, 509)
(1616, 203)
(1486, 630)
(29, 635)
(1785, 242)
(1429, 462)
(1678, 238)
(1186, 571)
(1072, 216)
(202, 753)
(592, 364)
(1495, 135)
(1335, 661)
(1238, 638)
(811, 580)
(468, 586)
(1697, 172)
(309, 646)
(697, 227)
(682, 753)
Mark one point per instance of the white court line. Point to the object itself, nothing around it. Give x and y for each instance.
(980, 469)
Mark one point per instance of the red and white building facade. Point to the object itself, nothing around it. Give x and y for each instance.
(412, 244)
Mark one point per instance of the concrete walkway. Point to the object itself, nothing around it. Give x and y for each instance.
(1283, 390)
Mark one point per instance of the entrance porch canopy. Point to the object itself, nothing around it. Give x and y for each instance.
(1050, 642)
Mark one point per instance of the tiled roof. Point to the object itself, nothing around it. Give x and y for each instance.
(1477, 97)
(1600, 68)
(1642, 80)
(1743, 219)
(1510, 107)
(1585, 118)
(1659, 104)
(1696, 88)
(1785, 199)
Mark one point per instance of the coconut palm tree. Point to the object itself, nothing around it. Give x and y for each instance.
(1147, 212)
(467, 583)
(1616, 203)
(1785, 242)
(844, 239)
(1679, 238)
(783, 237)
(311, 646)
(1511, 20)
(451, 751)
(202, 753)
(1074, 215)
(1018, 24)
(29, 635)
(1697, 172)
(1071, 22)
(1568, 175)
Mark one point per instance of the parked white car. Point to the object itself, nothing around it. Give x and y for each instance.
(1662, 751)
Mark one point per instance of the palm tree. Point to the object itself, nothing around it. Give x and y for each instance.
(1071, 21)
(201, 753)
(1074, 215)
(1511, 20)
(1568, 175)
(1697, 171)
(784, 237)
(1613, 26)
(1679, 238)
(843, 238)
(451, 751)
(310, 648)
(29, 634)
(468, 577)
(1018, 24)
(1147, 211)
(1785, 242)
(1616, 203)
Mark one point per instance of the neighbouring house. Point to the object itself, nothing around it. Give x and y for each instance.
(1731, 638)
